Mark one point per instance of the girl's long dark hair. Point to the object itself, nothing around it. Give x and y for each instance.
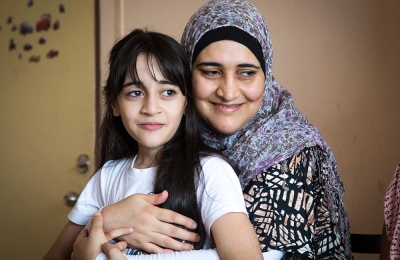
(178, 161)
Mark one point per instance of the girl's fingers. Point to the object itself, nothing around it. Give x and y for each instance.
(114, 233)
(112, 252)
(121, 245)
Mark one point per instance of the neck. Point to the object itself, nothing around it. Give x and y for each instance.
(146, 158)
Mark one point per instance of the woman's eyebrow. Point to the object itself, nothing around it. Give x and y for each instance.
(210, 63)
(248, 65)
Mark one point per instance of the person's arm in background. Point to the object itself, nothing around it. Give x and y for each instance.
(152, 225)
(384, 245)
(62, 247)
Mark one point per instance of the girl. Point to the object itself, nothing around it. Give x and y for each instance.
(149, 142)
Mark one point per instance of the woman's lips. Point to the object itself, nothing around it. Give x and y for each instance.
(226, 108)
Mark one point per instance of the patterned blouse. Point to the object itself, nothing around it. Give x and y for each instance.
(288, 209)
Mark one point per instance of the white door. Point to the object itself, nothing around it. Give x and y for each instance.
(47, 118)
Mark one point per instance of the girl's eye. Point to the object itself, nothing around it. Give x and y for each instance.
(135, 93)
(168, 93)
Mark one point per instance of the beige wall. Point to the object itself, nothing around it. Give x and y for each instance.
(341, 61)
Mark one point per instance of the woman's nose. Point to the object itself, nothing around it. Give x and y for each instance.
(228, 87)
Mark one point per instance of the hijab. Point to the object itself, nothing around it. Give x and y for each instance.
(278, 130)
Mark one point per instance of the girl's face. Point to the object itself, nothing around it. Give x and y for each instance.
(151, 108)
(228, 85)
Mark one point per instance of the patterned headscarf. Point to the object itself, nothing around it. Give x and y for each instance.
(278, 130)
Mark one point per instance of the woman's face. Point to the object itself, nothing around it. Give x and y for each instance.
(228, 85)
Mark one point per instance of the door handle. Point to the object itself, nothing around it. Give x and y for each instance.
(70, 198)
(83, 163)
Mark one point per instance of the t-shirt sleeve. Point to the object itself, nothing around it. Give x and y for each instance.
(219, 191)
(89, 201)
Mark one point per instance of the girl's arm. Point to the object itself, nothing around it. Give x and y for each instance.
(62, 247)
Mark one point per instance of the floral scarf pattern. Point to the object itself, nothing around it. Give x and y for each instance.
(279, 129)
(392, 214)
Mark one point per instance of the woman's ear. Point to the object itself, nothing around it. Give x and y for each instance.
(115, 108)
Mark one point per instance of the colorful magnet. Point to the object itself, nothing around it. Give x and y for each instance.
(25, 28)
(12, 45)
(34, 58)
(42, 40)
(52, 53)
(56, 25)
(44, 23)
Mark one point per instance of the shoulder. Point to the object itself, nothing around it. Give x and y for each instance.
(215, 168)
(214, 162)
(116, 165)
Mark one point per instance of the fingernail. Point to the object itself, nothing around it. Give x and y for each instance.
(194, 225)
(131, 230)
(96, 214)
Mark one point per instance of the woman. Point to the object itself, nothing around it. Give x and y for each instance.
(288, 174)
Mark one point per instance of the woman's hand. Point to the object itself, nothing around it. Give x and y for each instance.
(88, 245)
(154, 229)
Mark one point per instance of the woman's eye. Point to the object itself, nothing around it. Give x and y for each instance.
(168, 93)
(135, 93)
(247, 74)
(210, 73)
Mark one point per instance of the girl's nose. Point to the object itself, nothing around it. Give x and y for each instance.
(150, 106)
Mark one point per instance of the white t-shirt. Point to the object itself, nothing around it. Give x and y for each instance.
(219, 190)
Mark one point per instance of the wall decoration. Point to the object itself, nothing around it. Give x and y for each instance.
(56, 25)
(52, 53)
(12, 45)
(27, 28)
(44, 23)
(61, 8)
(27, 47)
(42, 40)
(34, 58)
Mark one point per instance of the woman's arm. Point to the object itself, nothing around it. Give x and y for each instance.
(62, 247)
(151, 223)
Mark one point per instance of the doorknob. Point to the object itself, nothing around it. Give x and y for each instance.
(70, 198)
(83, 163)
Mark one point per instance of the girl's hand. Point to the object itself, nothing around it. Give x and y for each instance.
(89, 245)
(153, 231)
